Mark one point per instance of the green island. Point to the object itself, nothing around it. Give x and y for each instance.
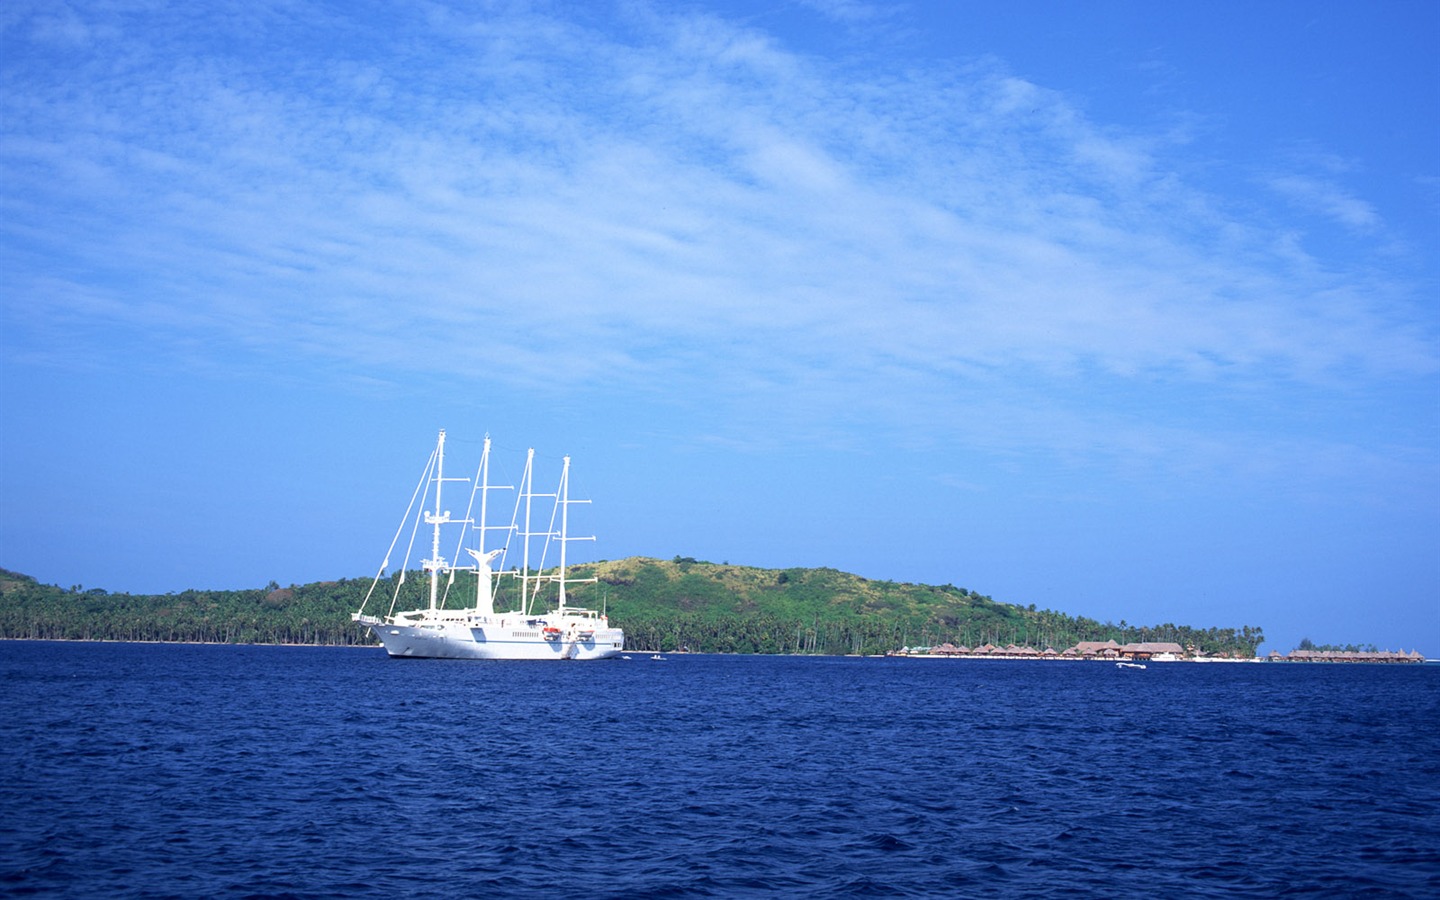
(661, 604)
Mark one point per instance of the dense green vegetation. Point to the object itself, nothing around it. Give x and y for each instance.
(308, 614)
(661, 604)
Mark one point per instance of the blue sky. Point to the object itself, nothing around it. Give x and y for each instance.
(1122, 309)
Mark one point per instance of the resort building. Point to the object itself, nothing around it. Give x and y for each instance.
(1347, 656)
(1156, 650)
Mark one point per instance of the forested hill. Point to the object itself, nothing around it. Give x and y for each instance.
(661, 604)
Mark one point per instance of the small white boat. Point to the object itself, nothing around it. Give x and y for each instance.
(1129, 665)
(657, 656)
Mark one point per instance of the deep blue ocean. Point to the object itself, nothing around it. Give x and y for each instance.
(137, 770)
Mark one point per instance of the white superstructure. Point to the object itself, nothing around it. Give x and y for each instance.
(442, 630)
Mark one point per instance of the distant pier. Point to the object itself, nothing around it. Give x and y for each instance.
(1156, 651)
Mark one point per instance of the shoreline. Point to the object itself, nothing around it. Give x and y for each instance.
(1281, 660)
(190, 643)
(1274, 658)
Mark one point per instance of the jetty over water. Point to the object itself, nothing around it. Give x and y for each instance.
(1157, 651)
(1347, 656)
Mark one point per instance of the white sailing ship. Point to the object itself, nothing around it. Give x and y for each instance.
(444, 630)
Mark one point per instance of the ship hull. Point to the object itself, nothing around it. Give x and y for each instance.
(453, 640)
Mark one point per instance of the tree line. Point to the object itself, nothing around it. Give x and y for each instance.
(661, 605)
(302, 614)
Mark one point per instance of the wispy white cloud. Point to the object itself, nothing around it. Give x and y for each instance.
(1328, 199)
(848, 11)
(684, 208)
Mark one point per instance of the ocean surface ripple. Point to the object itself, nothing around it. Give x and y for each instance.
(142, 771)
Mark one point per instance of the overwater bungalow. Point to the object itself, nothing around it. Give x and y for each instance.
(1157, 650)
(1097, 649)
(1351, 656)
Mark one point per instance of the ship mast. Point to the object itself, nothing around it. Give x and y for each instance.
(484, 574)
(484, 594)
(527, 487)
(436, 563)
(563, 499)
(484, 585)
